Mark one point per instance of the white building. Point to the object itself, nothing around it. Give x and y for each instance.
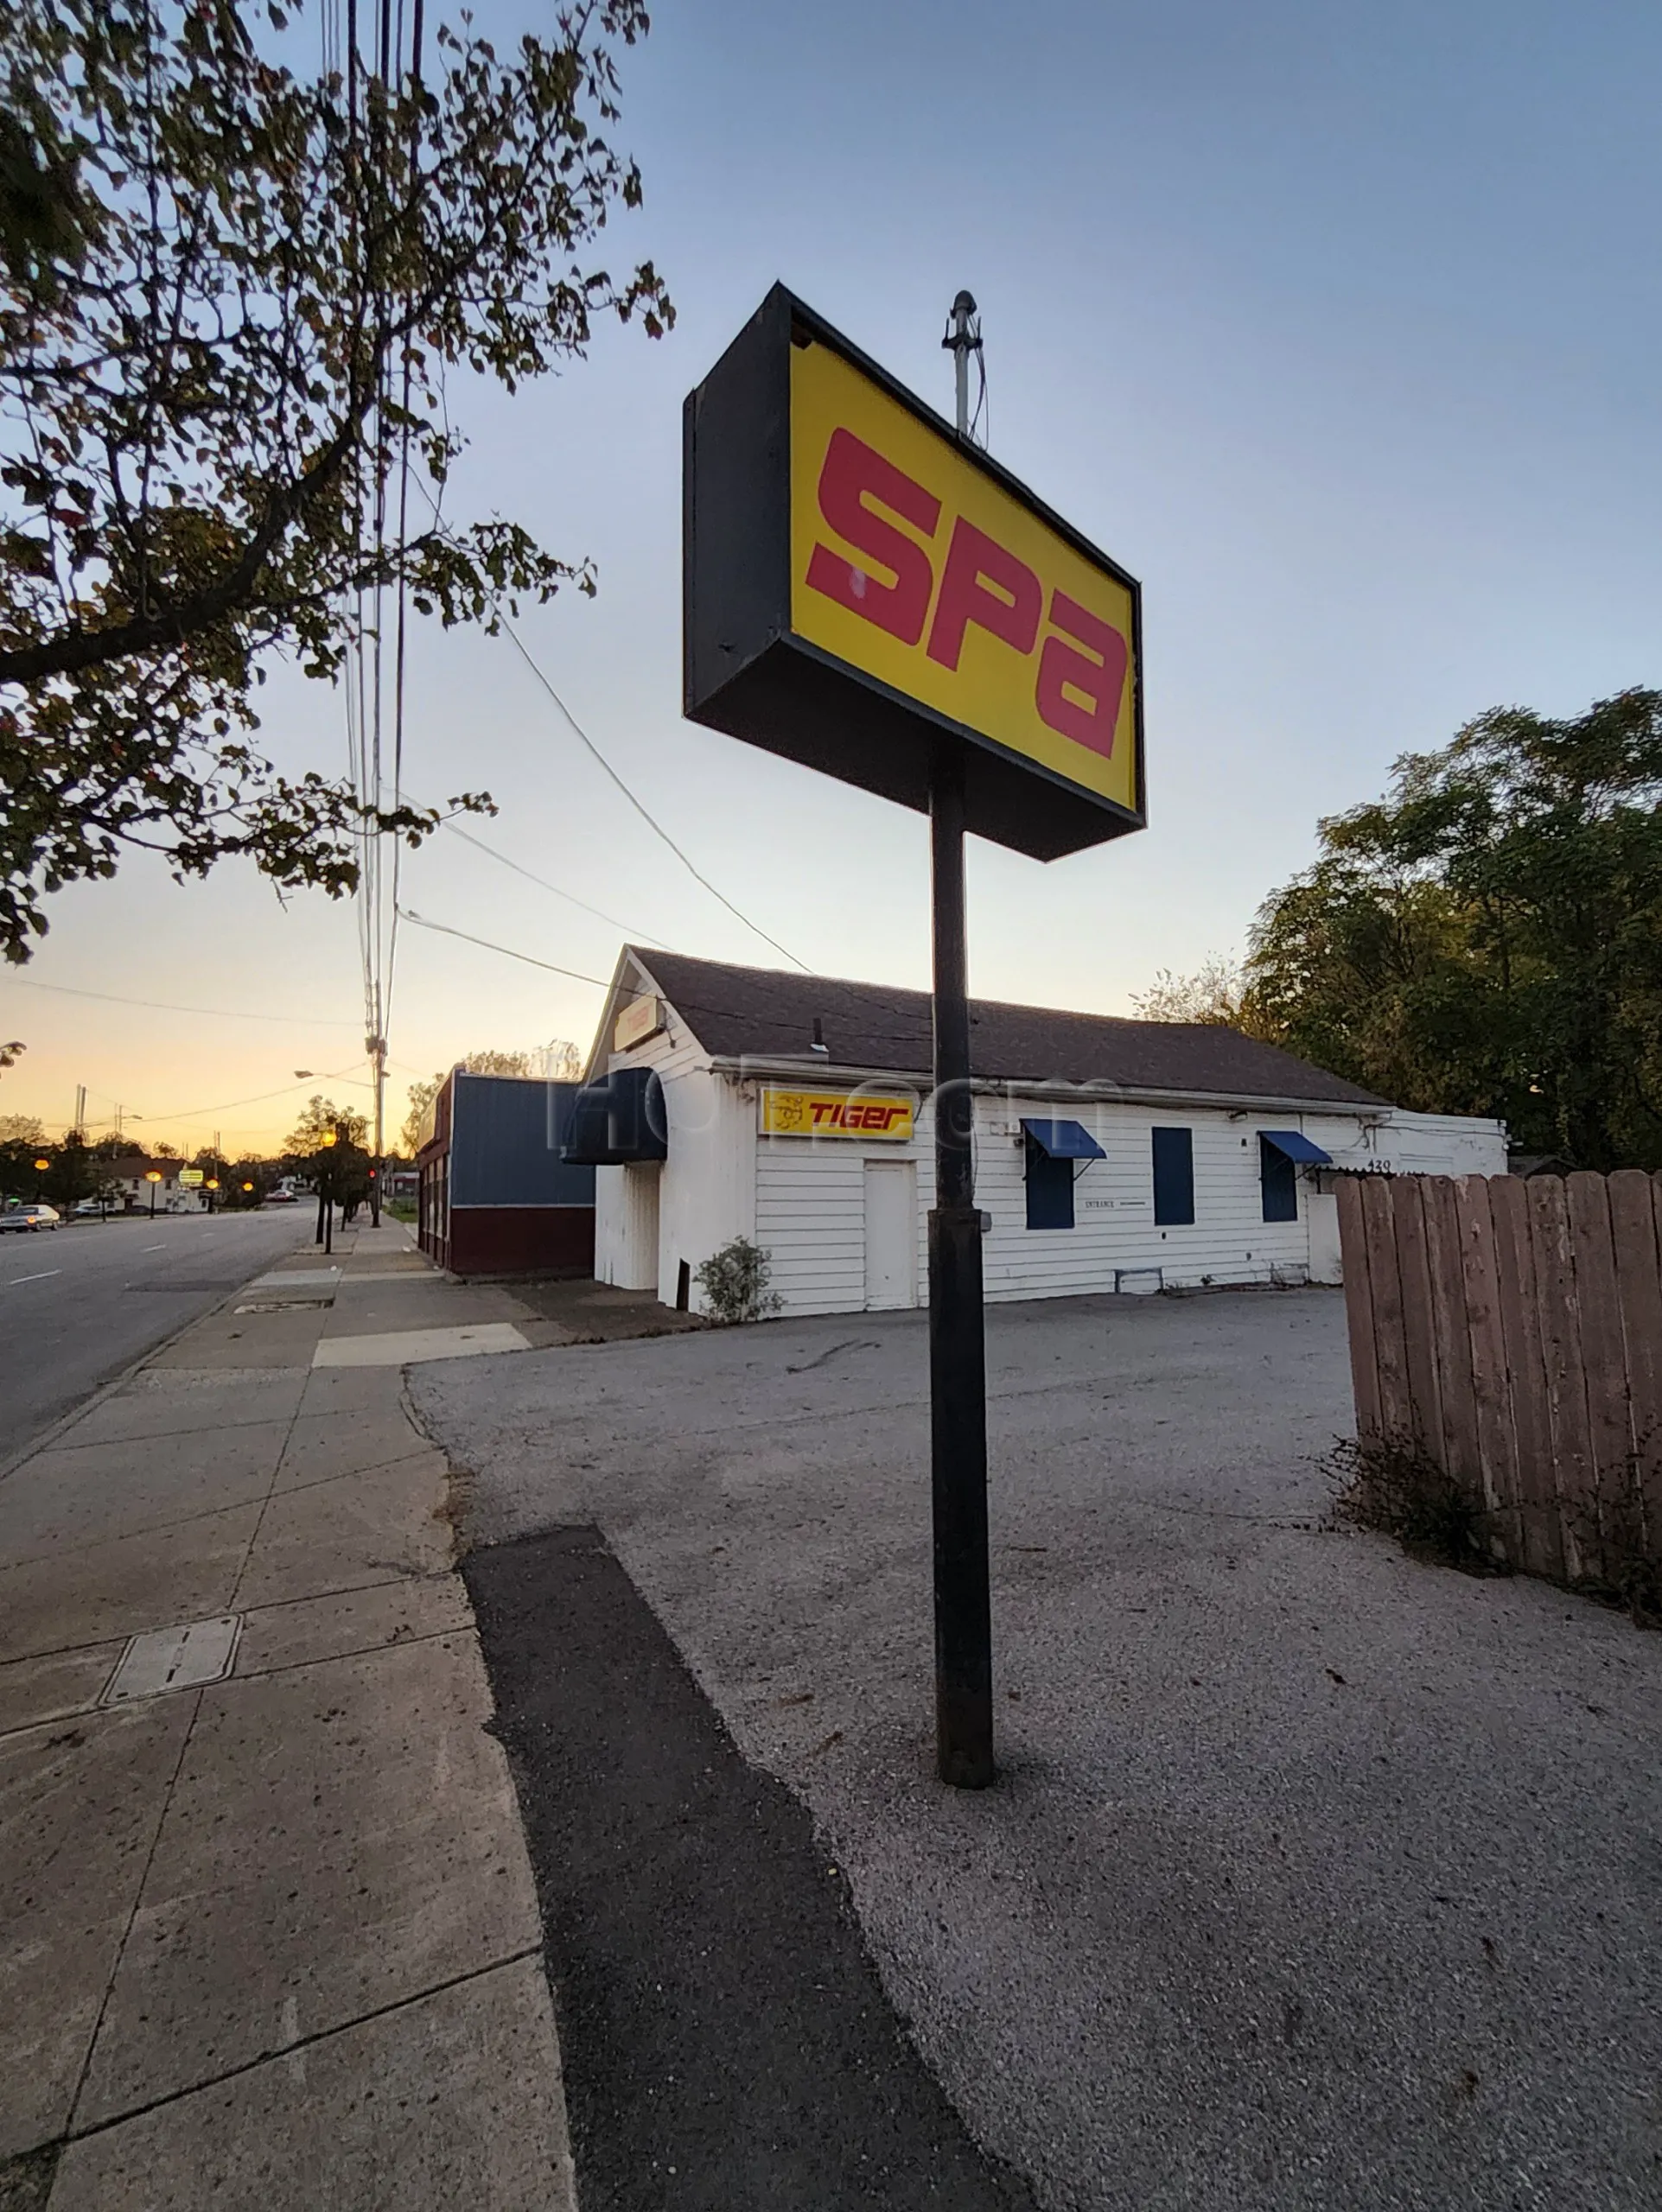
(126, 1184)
(722, 1101)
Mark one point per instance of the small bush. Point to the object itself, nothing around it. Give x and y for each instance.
(735, 1283)
(1615, 1534)
(1393, 1485)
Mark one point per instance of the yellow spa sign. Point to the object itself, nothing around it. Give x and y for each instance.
(860, 1115)
(867, 593)
(912, 563)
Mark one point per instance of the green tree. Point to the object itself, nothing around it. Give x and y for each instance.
(22, 1128)
(421, 1096)
(1214, 994)
(323, 1118)
(250, 1170)
(236, 293)
(75, 1173)
(1488, 938)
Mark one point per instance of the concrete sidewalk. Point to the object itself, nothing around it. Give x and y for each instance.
(268, 1939)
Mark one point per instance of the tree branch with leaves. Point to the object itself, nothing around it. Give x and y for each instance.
(233, 289)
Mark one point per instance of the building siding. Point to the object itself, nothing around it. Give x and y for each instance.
(803, 1200)
(810, 1199)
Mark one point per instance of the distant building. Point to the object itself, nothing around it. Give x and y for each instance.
(125, 1183)
(495, 1195)
(794, 1111)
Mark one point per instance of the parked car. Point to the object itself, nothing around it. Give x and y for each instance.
(30, 1217)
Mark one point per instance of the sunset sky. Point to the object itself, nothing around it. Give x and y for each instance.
(1337, 324)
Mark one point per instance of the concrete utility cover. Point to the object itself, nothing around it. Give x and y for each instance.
(174, 1659)
(397, 1348)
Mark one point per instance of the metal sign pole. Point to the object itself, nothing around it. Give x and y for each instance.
(958, 1384)
(957, 1369)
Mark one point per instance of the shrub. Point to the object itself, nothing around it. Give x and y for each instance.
(735, 1283)
(1393, 1485)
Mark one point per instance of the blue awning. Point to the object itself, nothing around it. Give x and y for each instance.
(1292, 1144)
(1064, 1139)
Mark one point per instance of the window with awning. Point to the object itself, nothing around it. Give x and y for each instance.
(1064, 1139)
(1054, 1151)
(1294, 1145)
(1282, 1152)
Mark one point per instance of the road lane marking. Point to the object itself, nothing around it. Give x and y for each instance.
(152, 1248)
(17, 1280)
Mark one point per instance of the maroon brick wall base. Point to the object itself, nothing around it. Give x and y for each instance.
(521, 1239)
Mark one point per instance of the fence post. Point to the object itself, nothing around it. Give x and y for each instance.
(1487, 1344)
(1419, 1329)
(1634, 1203)
(1570, 1463)
(1540, 1542)
(1608, 1420)
(1358, 1307)
(1385, 1283)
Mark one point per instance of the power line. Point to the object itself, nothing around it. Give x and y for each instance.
(166, 1005)
(226, 1106)
(654, 825)
(683, 1005)
(531, 876)
(650, 821)
(507, 951)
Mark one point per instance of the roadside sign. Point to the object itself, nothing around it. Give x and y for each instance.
(190, 1179)
(861, 582)
(642, 1017)
(858, 1115)
(866, 591)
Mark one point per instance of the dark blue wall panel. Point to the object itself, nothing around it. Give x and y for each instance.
(1050, 1190)
(505, 1144)
(1174, 1175)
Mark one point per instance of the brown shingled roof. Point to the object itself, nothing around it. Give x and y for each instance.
(765, 1013)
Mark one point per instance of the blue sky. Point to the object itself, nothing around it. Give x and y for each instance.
(1337, 324)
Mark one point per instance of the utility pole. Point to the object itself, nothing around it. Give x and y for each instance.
(957, 1367)
(378, 1053)
(81, 1108)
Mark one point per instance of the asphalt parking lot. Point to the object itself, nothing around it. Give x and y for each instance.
(1315, 1877)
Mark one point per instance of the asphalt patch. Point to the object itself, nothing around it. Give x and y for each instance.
(725, 2041)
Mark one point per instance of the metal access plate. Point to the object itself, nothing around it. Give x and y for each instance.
(179, 1658)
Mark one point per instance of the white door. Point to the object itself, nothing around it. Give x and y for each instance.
(637, 1248)
(891, 1233)
(1322, 1218)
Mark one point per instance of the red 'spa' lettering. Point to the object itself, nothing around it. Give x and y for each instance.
(1099, 681)
(1009, 609)
(854, 472)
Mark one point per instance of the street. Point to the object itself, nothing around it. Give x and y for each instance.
(78, 1304)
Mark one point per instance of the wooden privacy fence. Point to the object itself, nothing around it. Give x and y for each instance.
(1509, 1332)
